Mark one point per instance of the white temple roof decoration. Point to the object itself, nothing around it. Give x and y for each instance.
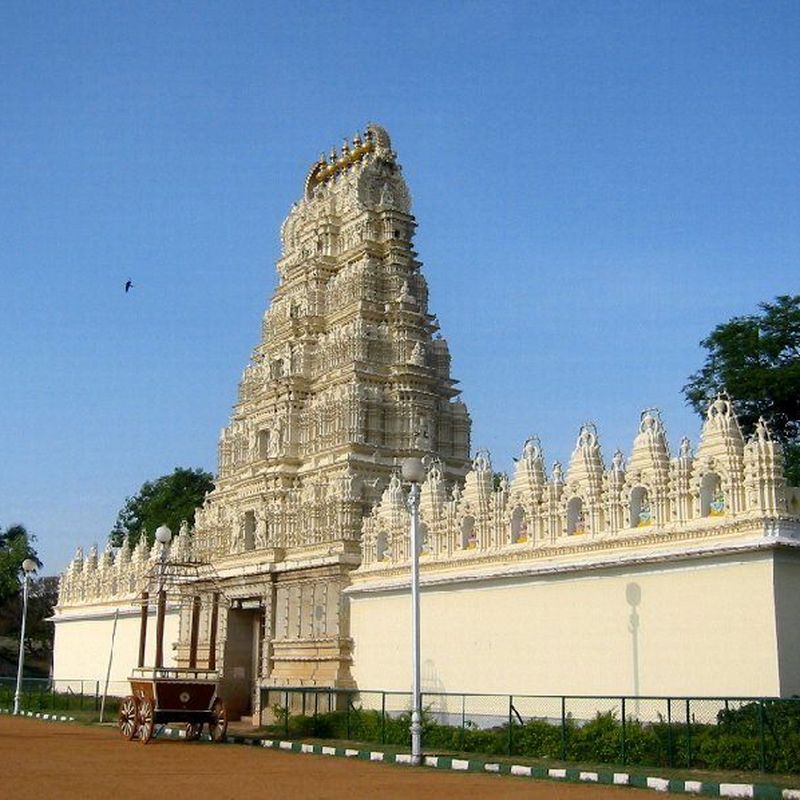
(649, 499)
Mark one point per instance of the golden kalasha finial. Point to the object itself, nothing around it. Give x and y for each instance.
(329, 166)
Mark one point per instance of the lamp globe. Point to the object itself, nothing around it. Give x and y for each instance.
(413, 470)
(163, 534)
(29, 565)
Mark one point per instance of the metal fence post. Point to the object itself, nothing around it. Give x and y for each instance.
(624, 742)
(349, 703)
(563, 728)
(96, 695)
(81, 700)
(688, 733)
(463, 721)
(762, 749)
(286, 712)
(510, 724)
(670, 754)
(383, 717)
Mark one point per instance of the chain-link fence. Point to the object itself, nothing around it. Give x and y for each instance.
(73, 696)
(754, 734)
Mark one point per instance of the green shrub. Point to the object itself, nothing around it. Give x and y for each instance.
(597, 740)
(733, 742)
(539, 739)
(300, 725)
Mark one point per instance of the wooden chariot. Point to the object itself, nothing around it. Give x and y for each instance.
(173, 695)
(187, 695)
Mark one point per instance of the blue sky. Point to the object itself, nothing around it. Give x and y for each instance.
(596, 184)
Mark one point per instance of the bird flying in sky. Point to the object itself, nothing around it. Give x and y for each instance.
(128, 285)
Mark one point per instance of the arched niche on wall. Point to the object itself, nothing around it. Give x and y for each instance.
(519, 526)
(712, 498)
(263, 443)
(276, 368)
(424, 538)
(249, 530)
(641, 512)
(381, 544)
(468, 537)
(576, 517)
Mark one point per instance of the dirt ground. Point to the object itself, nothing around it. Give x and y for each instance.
(60, 760)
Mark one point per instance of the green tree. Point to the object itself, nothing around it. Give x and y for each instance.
(756, 360)
(165, 501)
(42, 598)
(16, 544)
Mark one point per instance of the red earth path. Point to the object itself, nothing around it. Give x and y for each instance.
(62, 760)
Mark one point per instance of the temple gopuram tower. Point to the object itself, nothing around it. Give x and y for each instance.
(350, 377)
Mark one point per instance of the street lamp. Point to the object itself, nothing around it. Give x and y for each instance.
(163, 537)
(29, 566)
(413, 471)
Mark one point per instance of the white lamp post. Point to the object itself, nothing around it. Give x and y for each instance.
(413, 471)
(28, 568)
(163, 536)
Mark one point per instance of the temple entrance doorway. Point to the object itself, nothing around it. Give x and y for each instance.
(242, 656)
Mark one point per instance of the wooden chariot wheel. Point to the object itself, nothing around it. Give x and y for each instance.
(218, 721)
(128, 718)
(193, 731)
(146, 720)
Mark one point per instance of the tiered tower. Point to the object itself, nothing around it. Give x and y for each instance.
(350, 377)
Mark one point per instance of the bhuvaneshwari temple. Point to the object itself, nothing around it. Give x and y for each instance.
(655, 573)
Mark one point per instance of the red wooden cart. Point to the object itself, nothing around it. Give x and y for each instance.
(173, 695)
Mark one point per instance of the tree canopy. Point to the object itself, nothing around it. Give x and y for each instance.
(756, 360)
(16, 544)
(164, 501)
(42, 598)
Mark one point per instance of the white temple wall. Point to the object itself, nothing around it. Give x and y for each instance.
(83, 641)
(701, 627)
(787, 605)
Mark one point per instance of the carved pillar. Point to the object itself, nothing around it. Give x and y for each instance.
(143, 628)
(194, 632)
(269, 601)
(212, 631)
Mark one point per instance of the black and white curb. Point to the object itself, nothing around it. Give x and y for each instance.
(37, 715)
(573, 775)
